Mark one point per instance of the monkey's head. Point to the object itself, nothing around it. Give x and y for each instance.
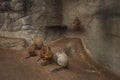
(34, 37)
(58, 53)
(48, 48)
(77, 17)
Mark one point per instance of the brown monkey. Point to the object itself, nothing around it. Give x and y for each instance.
(38, 42)
(36, 45)
(31, 51)
(46, 54)
(76, 23)
(42, 53)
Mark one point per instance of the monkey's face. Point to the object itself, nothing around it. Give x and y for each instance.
(33, 37)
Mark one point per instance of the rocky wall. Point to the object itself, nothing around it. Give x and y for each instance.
(22, 18)
(101, 20)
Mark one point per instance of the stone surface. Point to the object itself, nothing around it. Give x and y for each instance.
(21, 15)
(101, 20)
(12, 43)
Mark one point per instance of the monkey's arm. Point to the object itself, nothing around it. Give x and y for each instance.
(57, 69)
(38, 59)
(27, 57)
(41, 55)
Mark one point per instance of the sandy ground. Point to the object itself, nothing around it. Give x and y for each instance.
(14, 66)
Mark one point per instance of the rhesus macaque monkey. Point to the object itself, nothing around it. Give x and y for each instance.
(46, 54)
(31, 51)
(62, 61)
(37, 41)
(36, 45)
(76, 23)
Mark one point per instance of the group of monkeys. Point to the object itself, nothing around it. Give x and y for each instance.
(46, 54)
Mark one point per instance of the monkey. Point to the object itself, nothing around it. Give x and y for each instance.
(76, 23)
(46, 54)
(38, 42)
(62, 61)
(31, 51)
(42, 52)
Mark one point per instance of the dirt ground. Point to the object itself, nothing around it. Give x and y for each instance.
(14, 66)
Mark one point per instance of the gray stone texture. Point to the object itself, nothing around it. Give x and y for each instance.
(101, 20)
(28, 16)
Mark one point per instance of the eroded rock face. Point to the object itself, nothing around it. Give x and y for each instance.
(12, 43)
(22, 18)
(101, 20)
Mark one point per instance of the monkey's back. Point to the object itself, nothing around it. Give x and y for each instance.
(62, 59)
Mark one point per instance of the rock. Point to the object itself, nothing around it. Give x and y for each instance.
(34, 15)
(12, 43)
(26, 27)
(17, 5)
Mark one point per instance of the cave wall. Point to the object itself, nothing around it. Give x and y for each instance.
(22, 18)
(101, 20)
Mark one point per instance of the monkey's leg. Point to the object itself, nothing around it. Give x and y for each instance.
(47, 62)
(31, 54)
(57, 69)
(27, 57)
(66, 67)
(38, 59)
